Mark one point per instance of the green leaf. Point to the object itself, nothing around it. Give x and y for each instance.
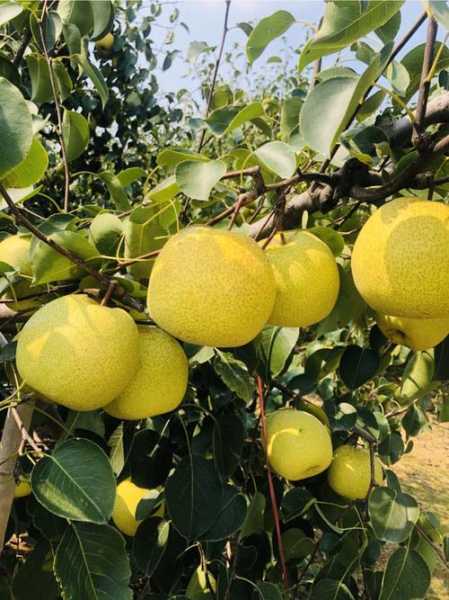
(9, 11)
(76, 482)
(102, 15)
(339, 99)
(164, 191)
(290, 116)
(9, 71)
(117, 450)
(149, 544)
(130, 175)
(194, 496)
(399, 77)
(230, 516)
(330, 237)
(345, 23)
(414, 420)
(91, 562)
(94, 75)
(48, 265)
(277, 157)
(254, 521)
(106, 230)
(115, 189)
(225, 120)
(41, 88)
(389, 31)
(276, 345)
(31, 170)
(267, 30)
(34, 574)
(171, 157)
(413, 60)
(370, 106)
(76, 12)
(16, 128)
(51, 29)
(196, 179)
(393, 514)
(406, 577)
(330, 97)
(330, 589)
(358, 365)
(268, 591)
(75, 131)
(228, 439)
(296, 544)
(417, 377)
(234, 374)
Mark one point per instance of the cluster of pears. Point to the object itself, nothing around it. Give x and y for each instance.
(299, 446)
(400, 267)
(208, 287)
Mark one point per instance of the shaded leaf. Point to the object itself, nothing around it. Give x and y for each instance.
(16, 130)
(75, 131)
(406, 577)
(358, 365)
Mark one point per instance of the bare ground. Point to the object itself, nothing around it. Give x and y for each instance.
(425, 474)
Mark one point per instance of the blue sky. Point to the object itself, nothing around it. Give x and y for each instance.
(205, 21)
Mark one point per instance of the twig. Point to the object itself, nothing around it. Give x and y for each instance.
(372, 458)
(317, 63)
(109, 292)
(9, 447)
(26, 437)
(244, 199)
(217, 66)
(424, 86)
(102, 279)
(58, 110)
(308, 563)
(274, 506)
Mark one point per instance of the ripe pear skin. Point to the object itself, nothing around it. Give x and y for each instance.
(77, 353)
(417, 334)
(127, 498)
(14, 251)
(160, 383)
(307, 280)
(350, 472)
(298, 445)
(211, 287)
(105, 43)
(400, 259)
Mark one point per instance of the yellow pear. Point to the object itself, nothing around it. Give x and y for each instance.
(350, 472)
(211, 287)
(307, 280)
(299, 445)
(23, 488)
(160, 383)
(418, 334)
(14, 251)
(400, 259)
(77, 353)
(127, 499)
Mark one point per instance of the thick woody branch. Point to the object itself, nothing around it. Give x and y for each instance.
(9, 447)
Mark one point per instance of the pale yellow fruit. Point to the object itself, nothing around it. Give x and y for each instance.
(299, 445)
(350, 472)
(307, 280)
(105, 43)
(211, 287)
(14, 251)
(77, 353)
(161, 381)
(400, 259)
(23, 488)
(418, 334)
(127, 499)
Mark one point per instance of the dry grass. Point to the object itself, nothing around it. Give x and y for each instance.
(425, 474)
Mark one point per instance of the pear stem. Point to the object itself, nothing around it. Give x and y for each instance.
(274, 506)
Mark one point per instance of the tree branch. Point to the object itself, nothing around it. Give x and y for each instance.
(217, 66)
(418, 138)
(9, 447)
